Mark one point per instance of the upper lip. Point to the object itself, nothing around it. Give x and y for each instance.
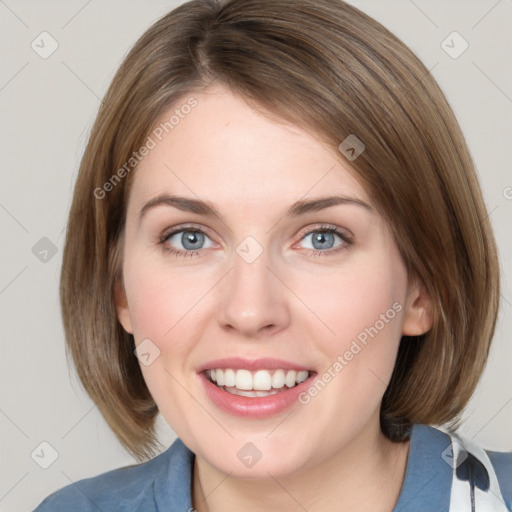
(266, 363)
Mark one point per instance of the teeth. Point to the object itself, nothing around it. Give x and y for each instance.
(261, 380)
(291, 376)
(229, 378)
(278, 379)
(243, 380)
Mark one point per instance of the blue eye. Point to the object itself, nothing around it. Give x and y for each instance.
(323, 239)
(189, 241)
(186, 242)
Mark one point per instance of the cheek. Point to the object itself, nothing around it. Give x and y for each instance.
(349, 302)
(162, 310)
(359, 312)
(362, 315)
(160, 298)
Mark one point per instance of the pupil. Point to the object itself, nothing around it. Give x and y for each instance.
(323, 238)
(191, 239)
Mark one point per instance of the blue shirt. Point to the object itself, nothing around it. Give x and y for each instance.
(165, 482)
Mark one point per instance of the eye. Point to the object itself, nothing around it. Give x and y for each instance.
(185, 241)
(189, 241)
(326, 239)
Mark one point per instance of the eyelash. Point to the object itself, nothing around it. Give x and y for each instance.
(347, 241)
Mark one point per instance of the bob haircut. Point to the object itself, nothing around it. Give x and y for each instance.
(330, 69)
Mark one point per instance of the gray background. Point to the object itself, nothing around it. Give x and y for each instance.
(47, 108)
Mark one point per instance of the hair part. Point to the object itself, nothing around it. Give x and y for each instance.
(324, 66)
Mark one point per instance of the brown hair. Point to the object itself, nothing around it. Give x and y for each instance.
(327, 67)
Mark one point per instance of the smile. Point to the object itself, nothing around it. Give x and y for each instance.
(258, 383)
(254, 388)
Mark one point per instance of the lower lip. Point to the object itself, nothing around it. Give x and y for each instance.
(254, 407)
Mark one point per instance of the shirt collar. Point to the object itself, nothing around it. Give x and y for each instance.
(428, 477)
(426, 485)
(173, 487)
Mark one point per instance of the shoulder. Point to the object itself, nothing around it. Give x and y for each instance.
(502, 465)
(106, 491)
(130, 488)
(488, 472)
(444, 471)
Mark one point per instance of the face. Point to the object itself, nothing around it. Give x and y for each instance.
(235, 260)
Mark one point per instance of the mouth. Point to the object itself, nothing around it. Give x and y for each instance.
(260, 383)
(254, 389)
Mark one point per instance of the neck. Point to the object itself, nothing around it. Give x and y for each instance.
(366, 475)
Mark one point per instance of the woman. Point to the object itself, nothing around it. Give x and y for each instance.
(277, 240)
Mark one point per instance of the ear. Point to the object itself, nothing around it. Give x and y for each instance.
(418, 316)
(122, 310)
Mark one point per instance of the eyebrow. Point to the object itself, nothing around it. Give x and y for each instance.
(207, 209)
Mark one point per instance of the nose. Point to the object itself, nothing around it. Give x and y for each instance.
(254, 301)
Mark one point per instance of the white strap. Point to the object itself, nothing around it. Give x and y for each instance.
(460, 498)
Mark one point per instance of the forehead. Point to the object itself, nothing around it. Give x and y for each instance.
(224, 150)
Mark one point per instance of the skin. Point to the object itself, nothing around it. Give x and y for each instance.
(290, 303)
